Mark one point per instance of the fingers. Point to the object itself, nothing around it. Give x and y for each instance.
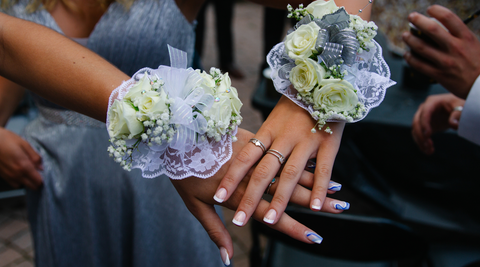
(240, 166)
(325, 159)
(215, 228)
(452, 22)
(454, 118)
(33, 178)
(431, 28)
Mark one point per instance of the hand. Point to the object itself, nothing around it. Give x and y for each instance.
(455, 59)
(19, 163)
(288, 130)
(435, 114)
(197, 195)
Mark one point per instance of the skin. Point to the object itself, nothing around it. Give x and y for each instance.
(287, 129)
(41, 55)
(453, 59)
(435, 114)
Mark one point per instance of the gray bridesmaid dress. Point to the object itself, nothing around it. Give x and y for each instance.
(90, 212)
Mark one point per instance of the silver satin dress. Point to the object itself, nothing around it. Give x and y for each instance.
(90, 212)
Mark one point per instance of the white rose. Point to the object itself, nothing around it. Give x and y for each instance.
(225, 84)
(320, 8)
(141, 86)
(335, 95)
(221, 113)
(152, 103)
(235, 102)
(306, 75)
(123, 120)
(300, 44)
(207, 83)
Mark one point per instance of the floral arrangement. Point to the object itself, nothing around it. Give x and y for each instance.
(322, 58)
(174, 121)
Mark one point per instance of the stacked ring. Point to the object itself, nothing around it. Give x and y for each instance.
(458, 108)
(258, 143)
(277, 154)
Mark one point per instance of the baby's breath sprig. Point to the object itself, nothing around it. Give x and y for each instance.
(297, 13)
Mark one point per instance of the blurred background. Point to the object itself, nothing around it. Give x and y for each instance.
(407, 209)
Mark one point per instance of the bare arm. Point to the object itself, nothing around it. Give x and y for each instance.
(38, 58)
(10, 96)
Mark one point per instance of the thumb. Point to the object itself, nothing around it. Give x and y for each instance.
(454, 119)
(215, 228)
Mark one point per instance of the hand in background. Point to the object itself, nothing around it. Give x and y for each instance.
(437, 113)
(197, 194)
(288, 130)
(19, 163)
(454, 59)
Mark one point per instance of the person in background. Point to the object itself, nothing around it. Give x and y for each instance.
(451, 56)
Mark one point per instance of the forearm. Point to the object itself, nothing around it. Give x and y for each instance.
(56, 68)
(10, 96)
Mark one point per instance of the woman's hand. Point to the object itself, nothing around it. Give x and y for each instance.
(197, 194)
(437, 113)
(19, 163)
(287, 130)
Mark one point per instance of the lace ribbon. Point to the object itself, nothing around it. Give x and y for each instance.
(368, 73)
(186, 154)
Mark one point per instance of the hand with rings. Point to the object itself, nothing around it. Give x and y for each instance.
(437, 113)
(284, 142)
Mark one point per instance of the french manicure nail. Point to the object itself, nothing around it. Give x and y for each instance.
(314, 237)
(220, 195)
(316, 205)
(239, 218)
(225, 257)
(270, 216)
(334, 186)
(341, 205)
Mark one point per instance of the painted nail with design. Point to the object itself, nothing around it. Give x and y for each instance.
(225, 257)
(270, 216)
(239, 218)
(220, 195)
(341, 205)
(314, 237)
(316, 205)
(334, 186)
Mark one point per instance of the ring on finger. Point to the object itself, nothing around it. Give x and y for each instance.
(458, 108)
(276, 153)
(270, 185)
(258, 143)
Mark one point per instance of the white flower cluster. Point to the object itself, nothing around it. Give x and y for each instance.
(321, 87)
(366, 31)
(144, 115)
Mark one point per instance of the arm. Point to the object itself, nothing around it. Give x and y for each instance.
(55, 67)
(287, 130)
(10, 96)
(453, 59)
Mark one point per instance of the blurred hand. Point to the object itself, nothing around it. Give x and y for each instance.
(287, 130)
(454, 59)
(435, 114)
(19, 162)
(197, 194)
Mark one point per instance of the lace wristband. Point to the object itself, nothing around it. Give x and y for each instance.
(330, 65)
(174, 121)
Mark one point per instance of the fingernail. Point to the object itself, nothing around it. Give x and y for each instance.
(225, 257)
(341, 205)
(220, 195)
(239, 218)
(412, 15)
(314, 237)
(316, 205)
(334, 186)
(270, 216)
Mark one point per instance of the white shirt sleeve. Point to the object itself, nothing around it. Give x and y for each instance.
(469, 124)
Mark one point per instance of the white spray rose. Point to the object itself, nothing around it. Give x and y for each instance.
(123, 120)
(225, 84)
(300, 44)
(306, 75)
(152, 103)
(336, 95)
(139, 88)
(207, 83)
(320, 8)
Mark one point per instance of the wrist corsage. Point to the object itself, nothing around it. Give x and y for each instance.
(174, 121)
(330, 65)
